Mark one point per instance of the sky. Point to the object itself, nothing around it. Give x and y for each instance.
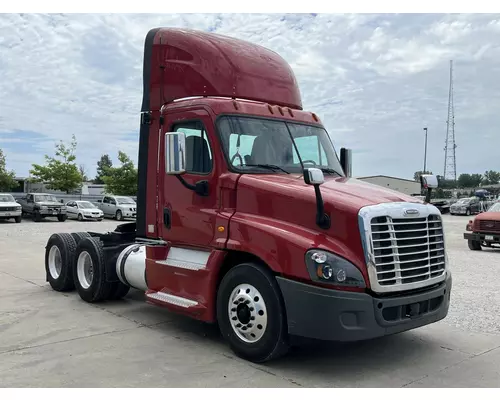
(375, 81)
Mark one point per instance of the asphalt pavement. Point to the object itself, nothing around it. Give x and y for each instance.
(50, 339)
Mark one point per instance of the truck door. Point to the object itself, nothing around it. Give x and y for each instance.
(188, 218)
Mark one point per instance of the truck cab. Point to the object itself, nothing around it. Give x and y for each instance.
(248, 217)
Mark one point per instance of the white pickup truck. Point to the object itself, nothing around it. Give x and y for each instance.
(10, 208)
(119, 207)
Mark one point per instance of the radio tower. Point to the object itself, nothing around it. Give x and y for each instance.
(450, 164)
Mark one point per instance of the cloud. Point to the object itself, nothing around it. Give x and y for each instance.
(375, 81)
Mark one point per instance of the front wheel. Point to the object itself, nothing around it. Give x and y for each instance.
(62, 217)
(251, 313)
(474, 245)
(18, 219)
(119, 215)
(80, 217)
(467, 212)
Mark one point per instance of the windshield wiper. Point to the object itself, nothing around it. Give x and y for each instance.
(268, 166)
(329, 171)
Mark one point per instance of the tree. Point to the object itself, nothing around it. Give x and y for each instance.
(491, 178)
(103, 165)
(83, 173)
(60, 172)
(469, 180)
(416, 175)
(121, 180)
(7, 178)
(446, 183)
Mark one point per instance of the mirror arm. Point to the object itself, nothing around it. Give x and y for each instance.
(322, 219)
(200, 187)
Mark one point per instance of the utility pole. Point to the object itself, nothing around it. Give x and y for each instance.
(425, 152)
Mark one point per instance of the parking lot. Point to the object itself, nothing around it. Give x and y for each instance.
(50, 339)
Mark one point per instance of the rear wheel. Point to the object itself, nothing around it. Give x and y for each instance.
(79, 236)
(251, 313)
(59, 254)
(89, 271)
(474, 245)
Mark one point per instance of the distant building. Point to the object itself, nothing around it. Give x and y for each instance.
(406, 186)
(25, 186)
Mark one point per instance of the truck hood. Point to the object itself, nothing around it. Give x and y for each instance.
(9, 204)
(488, 216)
(348, 194)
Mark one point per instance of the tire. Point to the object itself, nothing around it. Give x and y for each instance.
(267, 311)
(18, 219)
(80, 217)
(118, 291)
(36, 216)
(59, 255)
(474, 245)
(79, 236)
(62, 217)
(92, 287)
(119, 216)
(467, 212)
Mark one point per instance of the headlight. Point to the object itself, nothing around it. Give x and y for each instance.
(131, 209)
(63, 208)
(327, 267)
(19, 208)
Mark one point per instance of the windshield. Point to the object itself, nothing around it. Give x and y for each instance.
(124, 200)
(85, 204)
(6, 198)
(494, 208)
(260, 145)
(44, 197)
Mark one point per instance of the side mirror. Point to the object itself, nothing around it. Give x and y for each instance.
(346, 161)
(429, 181)
(175, 153)
(313, 176)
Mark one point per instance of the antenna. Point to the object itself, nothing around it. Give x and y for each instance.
(450, 163)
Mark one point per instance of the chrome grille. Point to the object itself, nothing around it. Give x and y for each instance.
(407, 250)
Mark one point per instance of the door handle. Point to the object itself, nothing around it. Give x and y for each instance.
(167, 217)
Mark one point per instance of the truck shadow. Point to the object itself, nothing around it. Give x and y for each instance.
(316, 361)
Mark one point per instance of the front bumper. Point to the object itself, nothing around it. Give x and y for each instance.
(92, 217)
(49, 213)
(458, 211)
(10, 214)
(327, 314)
(482, 237)
(128, 214)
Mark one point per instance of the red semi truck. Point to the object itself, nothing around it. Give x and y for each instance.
(246, 216)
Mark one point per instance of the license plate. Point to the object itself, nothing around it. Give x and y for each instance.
(7, 214)
(488, 237)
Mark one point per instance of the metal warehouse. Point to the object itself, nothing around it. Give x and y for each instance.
(405, 186)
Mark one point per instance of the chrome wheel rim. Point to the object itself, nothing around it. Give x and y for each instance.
(85, 270)
(55, 262)
(247, 313)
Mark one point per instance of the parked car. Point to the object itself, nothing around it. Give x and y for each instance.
(484, 230)
(43, 205)
(119, 207)
(466, 206)
(83, 211)
(10, 208)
